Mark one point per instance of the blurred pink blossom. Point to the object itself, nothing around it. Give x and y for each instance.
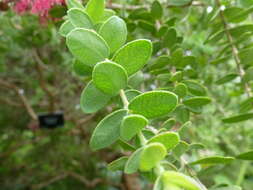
(38, 7)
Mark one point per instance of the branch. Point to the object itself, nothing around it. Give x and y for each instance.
(234, 50)
(124, 99)
(87, 183)
(22, 97)
(43, 83)
(134, 7)
(10, 102)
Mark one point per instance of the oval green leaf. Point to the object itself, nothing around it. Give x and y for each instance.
(133, 162)
(179, 180)
(95, 9)
(79, 43)
(92, 99)
(66, 28)
(238, 118)
(156, 10)
(131, 125)
(134, 55)
(168, 139)
(151, 155)
(245, 156)
(196, 101)
(153, 104)
(181, 90)
(109, 77)
(81, 69)
(195, 88)
(79, 18)
(108, 130)
(114, 32)
(226, 78)
(74, 4)
(118, 164)
(212, 160)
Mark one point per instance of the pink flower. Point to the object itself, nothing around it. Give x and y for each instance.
(22, 6)
(38, 7)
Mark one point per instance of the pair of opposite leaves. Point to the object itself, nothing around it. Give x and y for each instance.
(147, 105)
(149, 155)
(91, 48)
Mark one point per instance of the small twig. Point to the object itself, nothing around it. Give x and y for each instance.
(124, 99)
(192, 173)
(43, 82)
(87, 183)
(134, 7)
(22, 97)
(18, 147)
(234, 50)
(10, 102)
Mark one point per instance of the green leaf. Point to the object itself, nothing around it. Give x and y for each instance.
(248, 75)
(196, 101)
(133, 162)
(246, 105)
(156, 10)
(230, 187)
(238, 118)
(235, 14)
(168, 124)
(118, 164)
(154, 104)
(179, 180)
(245, 155)
(226, 78)
(158, 184)
(182, 114)
(92, 99)
(66, 28)
(168, 139)
(212, 160)
(246, 56)
(151, 155)
(107, 14)
(170, 38)
(181, 90)
(79, 18)
(125, 145)
(180, 149)
(179, 2)
(246, 3)
(134, 55)
(74, 4)
(184, 129)
(81, 69)
(177, 76)
(79, 43)
(108, 130)
(114, 32)
(146, 25)
(160, 62)
(109, 77)
(131, 125)
(195, 88)
(131, 94)
(95, 9)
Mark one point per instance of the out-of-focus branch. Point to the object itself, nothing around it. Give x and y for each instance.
(87, 183)
(234, 50)
(22, 97)
(10, 102)
(134, 7)
(42, 81)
